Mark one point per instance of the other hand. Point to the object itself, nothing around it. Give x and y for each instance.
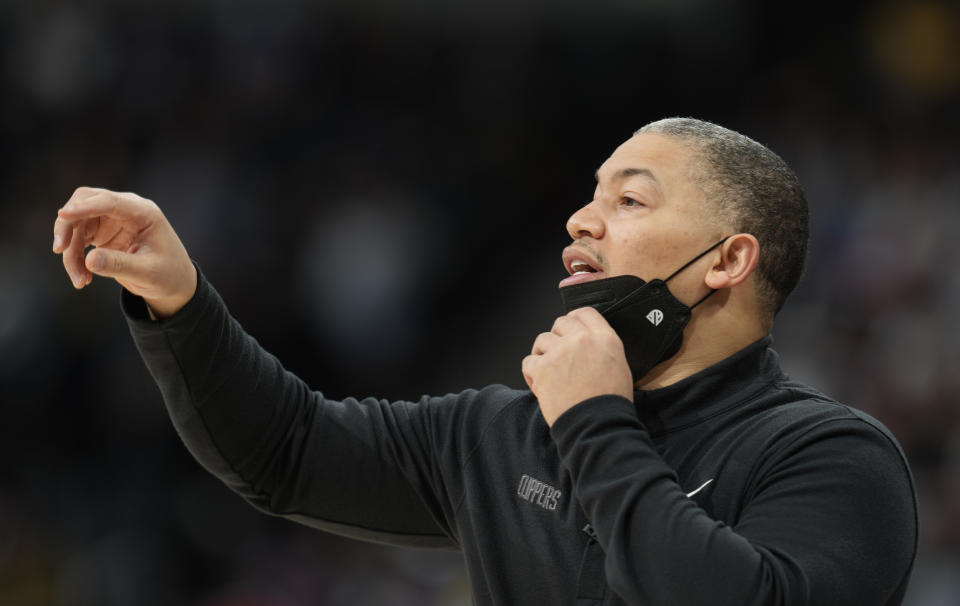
(134, 244)
(581, 357)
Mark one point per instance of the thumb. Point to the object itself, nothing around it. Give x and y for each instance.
(114, 263)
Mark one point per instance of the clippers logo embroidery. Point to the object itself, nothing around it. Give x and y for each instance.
(655, 317)
(538, 493)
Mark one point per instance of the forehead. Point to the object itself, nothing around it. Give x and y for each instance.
(661, 158)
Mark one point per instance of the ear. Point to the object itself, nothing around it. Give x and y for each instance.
(739, 256)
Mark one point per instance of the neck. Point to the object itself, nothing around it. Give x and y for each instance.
(712, 335)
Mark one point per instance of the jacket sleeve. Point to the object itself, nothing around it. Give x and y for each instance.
(832, 521)
(362, 468)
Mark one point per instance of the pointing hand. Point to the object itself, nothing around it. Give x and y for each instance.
(133, 244)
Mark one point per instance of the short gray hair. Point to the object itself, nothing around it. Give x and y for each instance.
(754, 190)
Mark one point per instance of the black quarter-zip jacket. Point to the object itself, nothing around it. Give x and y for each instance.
(734, 486)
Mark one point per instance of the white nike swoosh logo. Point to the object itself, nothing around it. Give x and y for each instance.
(704, 485)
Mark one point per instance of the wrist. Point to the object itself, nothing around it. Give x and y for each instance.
(165, 307)
(161, 309)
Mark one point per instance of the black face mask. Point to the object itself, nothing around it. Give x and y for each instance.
(645, 315)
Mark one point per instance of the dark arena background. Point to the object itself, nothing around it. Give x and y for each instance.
(379, 190)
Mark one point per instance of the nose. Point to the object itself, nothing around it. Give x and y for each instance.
(585, 222)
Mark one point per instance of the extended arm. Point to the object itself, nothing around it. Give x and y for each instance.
(362, 468)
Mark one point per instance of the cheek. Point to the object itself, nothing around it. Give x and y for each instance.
(639, 253)
(647, 253)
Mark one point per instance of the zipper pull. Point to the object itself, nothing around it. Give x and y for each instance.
(590, 532)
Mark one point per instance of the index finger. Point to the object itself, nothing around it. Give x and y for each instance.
(62, 234)
(89, 202)
(591, 318)
(82, 193)
(63, 226)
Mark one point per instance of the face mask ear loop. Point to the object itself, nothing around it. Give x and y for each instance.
(691, 262)
(694, 260)
(703, 298)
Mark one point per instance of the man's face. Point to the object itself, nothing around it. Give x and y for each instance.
(647, 217)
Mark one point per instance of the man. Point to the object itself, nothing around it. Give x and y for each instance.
(640, 468)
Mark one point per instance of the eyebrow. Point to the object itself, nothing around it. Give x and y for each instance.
(625, 173)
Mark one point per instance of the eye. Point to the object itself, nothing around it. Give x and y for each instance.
(628, 201)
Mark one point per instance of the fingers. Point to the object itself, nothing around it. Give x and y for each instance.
(115, 264)
(591, 318)
(564, 325)
(579, 323)
(82, 193)
(542, 343)
(526, 367)
(73, 211)
(584, 317)
(100, 217)
(85, 199)
(73, 260)
(88, 202)
(62, 233)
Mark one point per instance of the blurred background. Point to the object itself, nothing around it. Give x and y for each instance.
(379, 190)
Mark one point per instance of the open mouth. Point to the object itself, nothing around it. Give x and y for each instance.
(580, 267)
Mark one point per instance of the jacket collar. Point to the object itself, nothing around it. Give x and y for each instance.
(711, 391)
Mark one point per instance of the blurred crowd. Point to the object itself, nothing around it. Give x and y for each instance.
(379, 192)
